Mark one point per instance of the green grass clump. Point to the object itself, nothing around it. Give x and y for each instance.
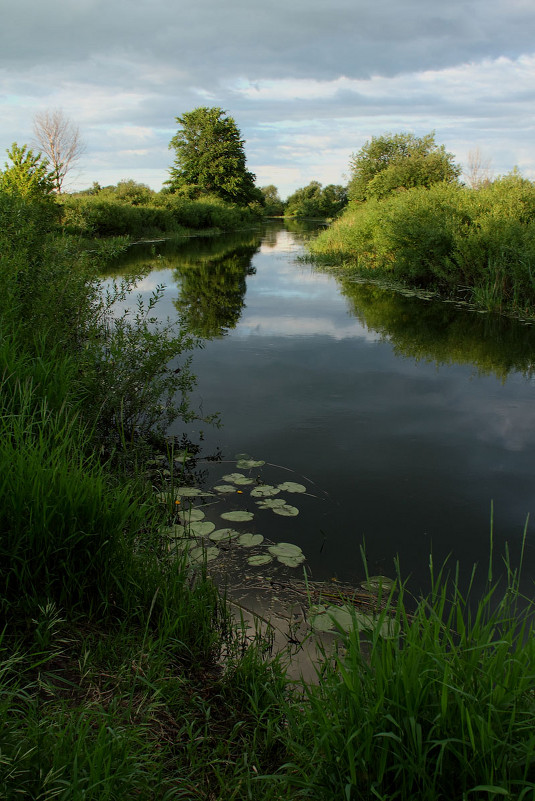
(443, 709)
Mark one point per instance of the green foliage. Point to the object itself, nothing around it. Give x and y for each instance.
(273, 205)
(135, 371)
(314, 201)
(399, 161)
(476, 242)
(64, 527)
(210, 158)
(443, 709)
(28, 175)
(130, 191)
(107, 214)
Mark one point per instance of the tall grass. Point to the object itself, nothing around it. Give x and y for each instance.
(442, 710)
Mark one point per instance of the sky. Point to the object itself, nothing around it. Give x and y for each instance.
(308, 82)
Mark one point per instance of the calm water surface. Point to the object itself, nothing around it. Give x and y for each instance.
(407, 419)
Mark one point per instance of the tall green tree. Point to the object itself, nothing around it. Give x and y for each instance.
(399, 161)
(28, 175)
(210, 158)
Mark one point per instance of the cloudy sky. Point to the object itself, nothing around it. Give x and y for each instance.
(308, 82)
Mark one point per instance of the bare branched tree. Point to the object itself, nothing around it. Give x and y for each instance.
(479, 172)
(59, 140)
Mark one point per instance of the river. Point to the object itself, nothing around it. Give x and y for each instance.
(409, 421)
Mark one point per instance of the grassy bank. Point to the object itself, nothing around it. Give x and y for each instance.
(121, 675)
(474, 244)
(108, 214)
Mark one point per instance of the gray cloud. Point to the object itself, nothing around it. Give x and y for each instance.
(139, 63)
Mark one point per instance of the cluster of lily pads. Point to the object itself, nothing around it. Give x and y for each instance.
(193, 523)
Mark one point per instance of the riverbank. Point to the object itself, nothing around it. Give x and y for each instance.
(471, 245)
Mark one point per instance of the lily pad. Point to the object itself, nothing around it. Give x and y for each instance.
(249, 540)
(189, 492)
(225, 488)
(271, 503)
(243, 481)
(292, 486)
(378, 584)
(286, 510)
(175, 532)
(233, 476)
(285, 548)
(291, 561)
(193, 515)
(224, 534)
(246, 464)
(202, 528)
(238, 516)
(259, 559)
(339, 617)
(198, 554)
(264, 491)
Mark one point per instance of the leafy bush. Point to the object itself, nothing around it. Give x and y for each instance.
(480, 242)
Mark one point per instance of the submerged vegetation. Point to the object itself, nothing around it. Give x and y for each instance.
(121, 673)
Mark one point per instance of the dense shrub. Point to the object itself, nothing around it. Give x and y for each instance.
(105, 215)
(447, 237)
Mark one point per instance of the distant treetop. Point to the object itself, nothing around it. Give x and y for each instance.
(399, 161)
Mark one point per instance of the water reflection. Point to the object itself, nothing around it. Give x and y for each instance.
(440, 333)
(409, 417)
(212, 292)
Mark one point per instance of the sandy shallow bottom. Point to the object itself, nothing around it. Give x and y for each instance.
(276, 603)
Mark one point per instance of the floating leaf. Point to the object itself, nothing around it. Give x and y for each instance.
(378, 584)
(174, 532)
(341, 617)
(264, 491)
(291, 561)
(199, 553)
(243, 480)
(260, 559)
(233, 476)
(286, 510)
(224, 534)
(246, 464)
(291, 486)
(189, 492)
(249, 540)
(238, 516)
(193, 515)
(201, 529)
(224, 488)
(271, 503)
(285, 549)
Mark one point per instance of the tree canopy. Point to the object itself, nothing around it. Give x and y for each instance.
(399, 161)
(314, 201)
(273, 205)
(210, 158)
(28, 175)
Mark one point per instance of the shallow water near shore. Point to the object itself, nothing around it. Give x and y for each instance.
(406, 419)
